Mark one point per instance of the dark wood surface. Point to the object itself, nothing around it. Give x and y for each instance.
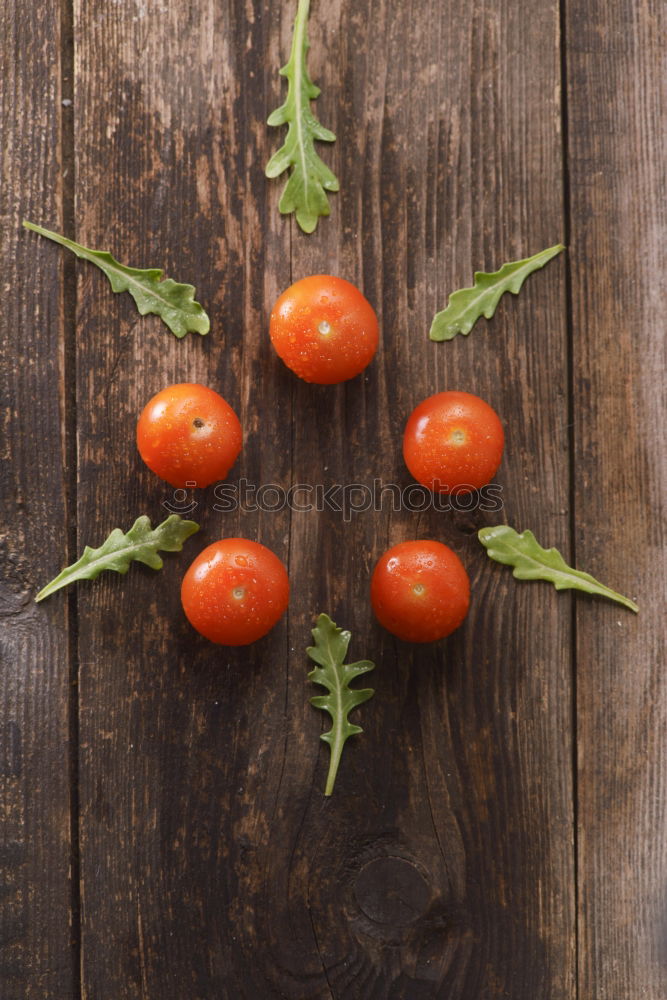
(36, 856)
(618, 255)
(498, 831)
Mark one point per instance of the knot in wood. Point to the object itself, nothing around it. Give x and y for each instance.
(392, 891)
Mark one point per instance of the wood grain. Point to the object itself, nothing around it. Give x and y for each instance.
(618, 173)
(426, 814)
(446, 863)
(212, 865)
(181, 741)
(35, 913)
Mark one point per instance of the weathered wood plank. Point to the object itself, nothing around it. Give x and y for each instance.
(618, 171)
(35, 932)
(444, 866)
(181, 741)
(211, 864)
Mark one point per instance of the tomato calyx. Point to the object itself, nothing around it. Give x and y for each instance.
(458, 437)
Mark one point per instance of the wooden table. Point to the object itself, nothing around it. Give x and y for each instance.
(499, 830)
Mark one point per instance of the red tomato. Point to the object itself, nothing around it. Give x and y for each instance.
(324, 329)
(235, 591)
(188, 434)
(453, 442)
(420, 591)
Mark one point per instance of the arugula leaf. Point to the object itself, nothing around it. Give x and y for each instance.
(140, 544)
(172, 302)
(532, 562)
(465, 306)
(329, 652)
(310, 178)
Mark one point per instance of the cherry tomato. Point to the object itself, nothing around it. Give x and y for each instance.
(188, 434)
(420, 591)
(324, 329)
(235, 591)
(453, 442)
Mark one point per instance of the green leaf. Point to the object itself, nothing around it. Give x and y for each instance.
(140, 544)
(172, 302)
(532, 562)
(465, 306)
(329, 653)
(310, 178)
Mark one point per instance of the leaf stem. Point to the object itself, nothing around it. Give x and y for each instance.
(56, 237)
(336, 746)
(334, 761)
(300, 23)
(85, 253)
(613, 595)
(299, 46)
